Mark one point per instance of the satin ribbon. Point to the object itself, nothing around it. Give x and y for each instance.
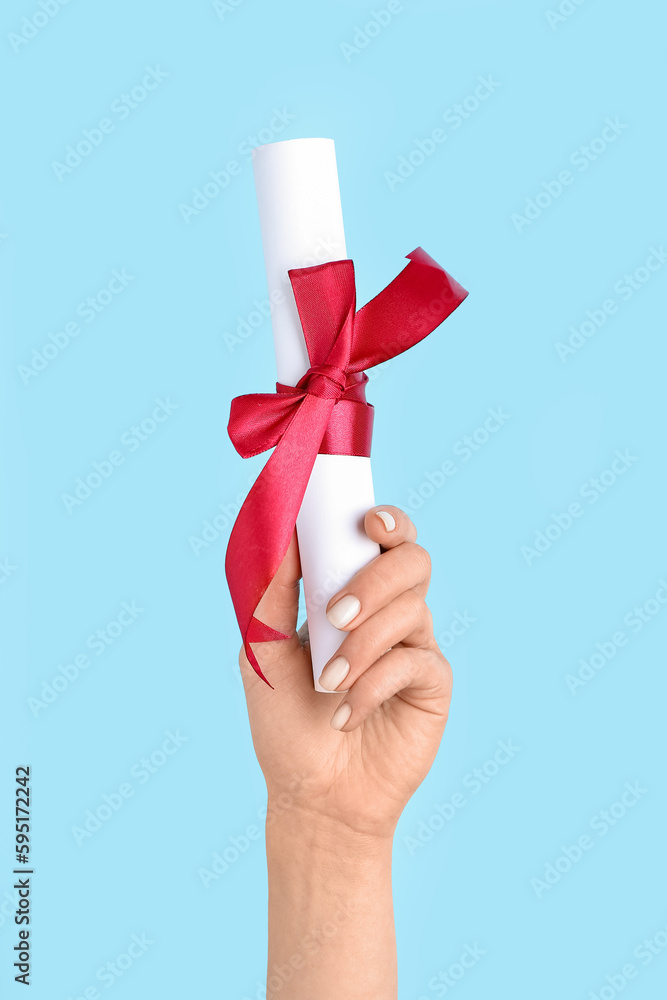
(326, 412)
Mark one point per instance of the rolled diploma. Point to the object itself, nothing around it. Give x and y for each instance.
(302, 224)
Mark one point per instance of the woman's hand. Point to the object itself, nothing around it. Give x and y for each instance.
(340, 768)
(354, 758)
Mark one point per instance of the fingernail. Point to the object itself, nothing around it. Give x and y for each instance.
(341, 715)
(387, 519)
(344, 611)
(335, 673)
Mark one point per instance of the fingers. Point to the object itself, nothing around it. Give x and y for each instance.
(390, 649)
(402, 567)
(421, 676)
(389, 526)
(406, 620)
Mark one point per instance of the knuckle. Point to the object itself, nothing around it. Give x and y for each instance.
(376, 641)
(426, 619)
(448, 677)
(371, 688)
(361, 645)
(379, 579)
(415, 606)
(422, 560)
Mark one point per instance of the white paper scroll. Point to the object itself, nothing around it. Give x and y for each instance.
(302, 224)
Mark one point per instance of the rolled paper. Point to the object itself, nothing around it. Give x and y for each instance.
(319, 423)
(301, 222)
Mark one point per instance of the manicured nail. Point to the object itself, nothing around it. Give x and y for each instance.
(334, 674)
(387, 519)
(341, 715)
(344, 611)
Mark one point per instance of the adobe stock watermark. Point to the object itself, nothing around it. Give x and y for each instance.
(581, 158)
(238, 845)
(225, 7)
(458, 627)
(454, 117)
(33, 24)
(335, 580)
(591, 491)
(219, 180)
(9, 905)
(130, 440)
(601, 823)
(7, 569)
(323, 250)
(121, 108)
(253, 321)
(605, 651)
(564, 11)
(364, 34)
(98, 642)
(444, 981)
(626, 287)
(88, 310)
(473, 782)
(109, 973)
(219, 524)
(645, 952)
(464, 449)
(141, 772)
(311, 943)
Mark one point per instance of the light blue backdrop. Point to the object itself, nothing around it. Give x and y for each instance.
(542, 193)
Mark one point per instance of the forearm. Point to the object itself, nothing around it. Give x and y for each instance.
(331, 921)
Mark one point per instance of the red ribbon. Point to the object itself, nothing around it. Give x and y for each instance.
(326, 412)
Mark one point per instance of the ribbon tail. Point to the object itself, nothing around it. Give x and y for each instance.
(259, 632)
(406, 311)
(265, 524)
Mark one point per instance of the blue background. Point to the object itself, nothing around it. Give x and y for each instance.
(163, 336)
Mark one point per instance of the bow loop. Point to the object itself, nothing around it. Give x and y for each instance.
(325, 297)
(258, 421)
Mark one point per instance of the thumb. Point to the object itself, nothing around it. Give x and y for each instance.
(279, 607)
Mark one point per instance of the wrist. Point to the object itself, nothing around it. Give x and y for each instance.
(331, 845)
(331, 924)
(338, 815)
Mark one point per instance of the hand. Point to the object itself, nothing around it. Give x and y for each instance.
(388, 726)
(339, 770)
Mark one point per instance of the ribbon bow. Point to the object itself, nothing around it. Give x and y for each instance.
(326, 412)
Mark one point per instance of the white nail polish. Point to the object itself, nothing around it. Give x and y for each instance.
(344, 611)
(334, 675)
(341, 716)
(387, 519)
